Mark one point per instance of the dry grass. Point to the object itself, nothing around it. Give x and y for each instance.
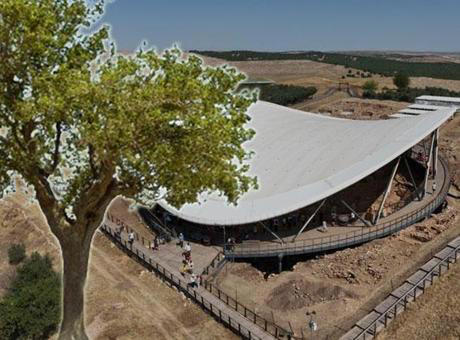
(435, 315)
(311, 73)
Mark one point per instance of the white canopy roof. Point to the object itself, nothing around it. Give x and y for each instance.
(440, 99)
(301, 158)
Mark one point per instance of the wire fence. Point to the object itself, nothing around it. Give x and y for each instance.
(180, 283)
(321, 244)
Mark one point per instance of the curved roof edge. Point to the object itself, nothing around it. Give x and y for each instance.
(286, 202)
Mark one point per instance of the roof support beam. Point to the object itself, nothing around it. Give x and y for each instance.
(435, 153)
(271, 232)
(412, 178)
(428, 165)
(309, 220)
(387, 191)
(367, 223)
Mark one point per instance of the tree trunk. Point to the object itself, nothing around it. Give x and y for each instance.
(75, 259)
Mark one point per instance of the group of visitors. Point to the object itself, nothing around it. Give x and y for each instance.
(187, 262)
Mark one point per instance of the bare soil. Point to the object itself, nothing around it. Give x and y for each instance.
(123, 300)
(369, 109)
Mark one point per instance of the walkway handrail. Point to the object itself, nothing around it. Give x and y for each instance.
(215, 261)
(147, 217)
(269, 326)
(181, 284)
(435, 271)
(354, 237)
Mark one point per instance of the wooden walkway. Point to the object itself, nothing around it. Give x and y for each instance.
(210, 303)
(397, 301)
(313, 241)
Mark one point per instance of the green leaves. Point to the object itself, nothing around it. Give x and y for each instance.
(80, 116)
(31, 307)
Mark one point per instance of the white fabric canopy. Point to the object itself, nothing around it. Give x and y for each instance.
(301, 158)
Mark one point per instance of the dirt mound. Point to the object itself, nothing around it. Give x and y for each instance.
(247, 271)
(296, 294)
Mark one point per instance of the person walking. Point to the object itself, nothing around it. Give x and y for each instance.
(190, 266)
(193, 281)
(181, 240)
(183, 268)
(131, 238)
(187, 249)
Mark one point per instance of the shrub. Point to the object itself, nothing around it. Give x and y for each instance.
(282, 94)
(286, 94)
(31, 307)
(370, 86)
(401, 80)
(409, 94)
(16, 253)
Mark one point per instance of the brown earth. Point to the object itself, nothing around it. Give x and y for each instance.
(354, 108)
(123, 300)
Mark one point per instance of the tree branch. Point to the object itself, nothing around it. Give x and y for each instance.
(57, 143)
(91, 160)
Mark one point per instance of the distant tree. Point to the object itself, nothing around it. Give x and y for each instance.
(31, 307)
(370, 86)
(401, 80)
(85, 125)
(16, 253)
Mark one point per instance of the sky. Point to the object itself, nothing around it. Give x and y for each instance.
(287, 25)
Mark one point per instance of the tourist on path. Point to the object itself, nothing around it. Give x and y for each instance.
(131, 238)
(193, 281)
(187, 250)
(181, 240)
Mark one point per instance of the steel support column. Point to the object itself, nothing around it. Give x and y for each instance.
(428, 165)
(271, 232)
(356, 214)
(411, 176)
(309, 220)
(387, 191)
(435, 153)
(280, 263)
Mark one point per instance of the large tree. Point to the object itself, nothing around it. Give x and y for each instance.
(81, 125)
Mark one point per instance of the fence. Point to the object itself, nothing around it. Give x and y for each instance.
(181, 284)
(269, 326)
(401, 303)
(215, 262)
(321, 244)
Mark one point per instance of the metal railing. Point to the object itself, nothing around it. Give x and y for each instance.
(269, 326)
(371, 330)
(214, 263)
(181, 284)
(321, 244)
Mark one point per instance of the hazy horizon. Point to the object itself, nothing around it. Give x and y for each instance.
(295, 25)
